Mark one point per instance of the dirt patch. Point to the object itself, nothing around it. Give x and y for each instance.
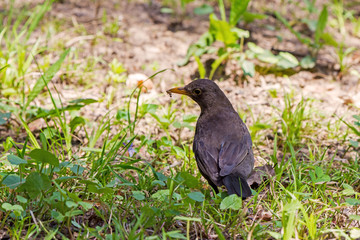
(146, 41)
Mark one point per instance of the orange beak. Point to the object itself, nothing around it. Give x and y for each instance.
(178, 90)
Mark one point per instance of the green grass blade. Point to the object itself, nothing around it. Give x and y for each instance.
(238, 7)
(321, 24)
(43, 80)
(36, 17)
(202, 71)
(304, 40)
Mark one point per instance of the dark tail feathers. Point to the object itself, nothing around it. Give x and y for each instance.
(234, 186)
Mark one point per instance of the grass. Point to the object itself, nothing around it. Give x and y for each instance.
(83, 178)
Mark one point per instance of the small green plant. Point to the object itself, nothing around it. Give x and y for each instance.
(283, 60)
(317, 41)
(176, 7)
(16, 55)
(226, 31)
(343, 52)
(355, 128)
(293, 118)
(223, 30)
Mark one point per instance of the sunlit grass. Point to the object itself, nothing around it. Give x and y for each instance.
(104, 178)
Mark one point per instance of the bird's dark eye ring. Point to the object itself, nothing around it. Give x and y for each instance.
(197, 91)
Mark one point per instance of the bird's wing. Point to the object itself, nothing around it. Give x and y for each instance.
(232, 154)
(206, 160)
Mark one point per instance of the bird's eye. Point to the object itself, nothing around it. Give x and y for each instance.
(197, 91)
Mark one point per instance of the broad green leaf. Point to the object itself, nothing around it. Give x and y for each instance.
(312, 176)
(203, 9)
(77, 169)
(157, 182)
(179, 152)
(35, 184)
(148, 108)
(275, 235)
(287, 60)
(175, 234)
(357, 117)
(197, 196)
(255, 48)
(321, 24)
(240, 33)
(149, 213)
(17, 209)
(122, 114)
(76, 121)
(355, 144)
(71, 204)
(187, 179)
(233, 202)
(15, 160)
(166, 10)
(21, 199)
(100, 190)
(85, 205)
(46, 78)
(74, 213)
(74, 223)
(323, 178)
(347, 186)
(307, 62)
(355, 217)
(198, 48)
(4, 117)
(50, 132)
(12, 181)
(319, 172)
(238, 7)
(138, 195)
(248, 68)
(268, 57)
(353, 201)
(44, 157)
(74, 197)
(163, 195)
(160, 176)
(221, 30)
(57, 216)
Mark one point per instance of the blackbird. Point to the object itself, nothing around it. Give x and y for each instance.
(222, 143)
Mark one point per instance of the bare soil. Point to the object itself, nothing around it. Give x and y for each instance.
(149, 41)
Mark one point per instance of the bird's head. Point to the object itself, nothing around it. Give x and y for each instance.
(204, 92)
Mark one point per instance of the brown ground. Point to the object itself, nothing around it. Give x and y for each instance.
(149, 41)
